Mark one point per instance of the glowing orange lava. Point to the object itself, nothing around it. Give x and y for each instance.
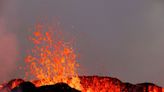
(52, 59)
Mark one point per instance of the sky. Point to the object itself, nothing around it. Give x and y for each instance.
(117, 38)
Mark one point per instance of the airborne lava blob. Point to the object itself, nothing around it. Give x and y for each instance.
(52, 60)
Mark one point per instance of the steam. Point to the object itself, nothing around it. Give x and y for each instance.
(8, 47)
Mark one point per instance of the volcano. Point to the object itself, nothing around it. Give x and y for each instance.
(52, 65)
(89, 84)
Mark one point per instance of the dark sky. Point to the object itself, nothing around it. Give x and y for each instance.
(118, 38)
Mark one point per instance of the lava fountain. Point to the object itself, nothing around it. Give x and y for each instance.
(52, 60)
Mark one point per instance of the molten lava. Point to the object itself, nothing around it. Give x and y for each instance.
(52, 59)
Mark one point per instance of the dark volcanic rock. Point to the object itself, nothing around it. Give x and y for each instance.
(59, 87)
(29, 87)
(128, 87)
(25, 87)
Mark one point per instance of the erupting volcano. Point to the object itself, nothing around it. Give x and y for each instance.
(52, 63)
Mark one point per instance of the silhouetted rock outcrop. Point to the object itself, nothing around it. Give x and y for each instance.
(30, 87)
(59, 87)
(25, 87)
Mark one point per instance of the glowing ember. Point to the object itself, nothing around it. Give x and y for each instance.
(52, 59)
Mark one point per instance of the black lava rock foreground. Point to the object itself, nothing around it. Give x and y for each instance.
(30, 87)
